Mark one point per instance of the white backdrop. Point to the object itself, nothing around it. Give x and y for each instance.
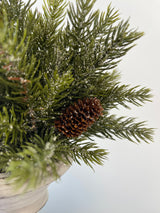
(129, 182)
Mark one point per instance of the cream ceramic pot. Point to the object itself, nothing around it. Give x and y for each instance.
(32, 201)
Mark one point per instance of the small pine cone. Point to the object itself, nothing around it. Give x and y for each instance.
(78, 117)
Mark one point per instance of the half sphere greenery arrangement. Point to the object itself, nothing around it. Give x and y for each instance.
(59, 84)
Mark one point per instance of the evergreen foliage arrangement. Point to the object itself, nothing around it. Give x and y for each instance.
(58, 85)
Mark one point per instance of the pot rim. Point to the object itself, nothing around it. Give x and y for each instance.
(7, 188)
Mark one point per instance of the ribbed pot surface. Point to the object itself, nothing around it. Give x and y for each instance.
(32, 201)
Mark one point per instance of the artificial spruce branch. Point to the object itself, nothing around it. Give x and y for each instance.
(58, 86)
(128, 128)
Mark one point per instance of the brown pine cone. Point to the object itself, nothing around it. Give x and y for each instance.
(78, 117)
